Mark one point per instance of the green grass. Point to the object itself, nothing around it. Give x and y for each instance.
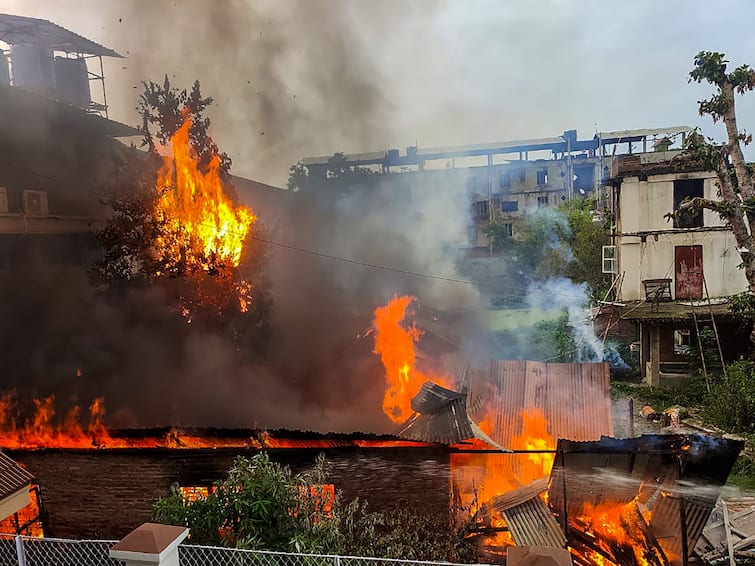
(512, 319)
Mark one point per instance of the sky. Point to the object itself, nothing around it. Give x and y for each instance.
(297, 78)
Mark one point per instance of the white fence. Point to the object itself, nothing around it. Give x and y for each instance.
(28, 551)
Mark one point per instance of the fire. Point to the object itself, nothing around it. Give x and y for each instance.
(535, 437)
(395, 342)
(46, 429)
(203, 226)
(619, 531)
(503, 472)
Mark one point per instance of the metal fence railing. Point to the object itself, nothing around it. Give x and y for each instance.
(27, 551)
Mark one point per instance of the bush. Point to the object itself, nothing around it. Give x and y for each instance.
(262, 505)
(731, 401)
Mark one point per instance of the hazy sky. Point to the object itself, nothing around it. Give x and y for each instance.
(295, 78)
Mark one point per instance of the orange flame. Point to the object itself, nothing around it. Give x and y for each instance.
(500, 473)
(203, 225)
(395, 344)
(617, 528)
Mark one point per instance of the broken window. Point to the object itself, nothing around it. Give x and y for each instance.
(509, 205)
(685, 190)
(508, 228)
(542, 201)
(505, 179)
(681, 341)
(481, 208)
(192, 493)
(584, 177)
(542, 177)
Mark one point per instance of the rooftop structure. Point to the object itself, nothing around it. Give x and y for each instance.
(48, 59)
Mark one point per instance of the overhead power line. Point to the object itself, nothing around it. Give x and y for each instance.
(332, 257)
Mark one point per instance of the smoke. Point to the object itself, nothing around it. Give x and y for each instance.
(289, 79)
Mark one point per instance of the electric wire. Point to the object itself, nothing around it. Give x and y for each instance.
(333, 257)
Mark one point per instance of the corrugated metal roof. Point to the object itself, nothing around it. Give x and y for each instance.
(574, 398)
(636, 135)
(35, 31)
(676, 477)
(532, 524)
(12, 477)
(441, 416)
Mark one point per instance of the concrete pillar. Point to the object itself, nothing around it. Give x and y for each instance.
(150, 545)
(654, 370)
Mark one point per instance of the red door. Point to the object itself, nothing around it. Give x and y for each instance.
(688, 262)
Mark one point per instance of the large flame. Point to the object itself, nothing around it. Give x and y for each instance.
(619, 531)
(203, 226)
(394, 341)
(500, 473)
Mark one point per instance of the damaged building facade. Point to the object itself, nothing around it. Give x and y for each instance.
(507, 181)
(673, 274)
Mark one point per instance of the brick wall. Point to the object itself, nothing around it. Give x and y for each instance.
(107, 493)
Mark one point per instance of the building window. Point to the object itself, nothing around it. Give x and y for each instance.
(508, 228)
(685, 190)
(509, 205)
(192, 493)
(542, 177)
(522, 176)
(26, 521)
(681, 341)
(321, 497)
(505, 179)
(481, 208)
(609, 259)
(542, 201)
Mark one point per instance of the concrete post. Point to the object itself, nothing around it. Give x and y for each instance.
(150, 545)
(654, 373)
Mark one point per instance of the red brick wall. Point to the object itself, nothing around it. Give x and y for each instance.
(107, 493)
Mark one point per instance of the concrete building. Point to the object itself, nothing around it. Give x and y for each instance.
(508, 180)
(56, 143)
(673, 275)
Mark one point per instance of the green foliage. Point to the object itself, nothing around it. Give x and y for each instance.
(707, 338)
(263, 505)
(743, 474)
(337, 175)
(689, 392)
(563, 243)
(209, 292)
(546, 340)
(165, 108)
(743, 305)
(731, 402)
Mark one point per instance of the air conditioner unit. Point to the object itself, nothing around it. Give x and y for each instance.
(35, 203)
(3, 199)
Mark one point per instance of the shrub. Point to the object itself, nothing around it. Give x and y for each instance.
(731, 401)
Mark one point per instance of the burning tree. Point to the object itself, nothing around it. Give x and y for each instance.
(175, 222)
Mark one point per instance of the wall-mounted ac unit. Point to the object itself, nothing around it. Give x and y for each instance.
(35, 203)
(3, 199)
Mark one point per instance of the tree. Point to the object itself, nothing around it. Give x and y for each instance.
(736, 192)
(566, 242)
(336, 175)
(148, 244)
(263, 505)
